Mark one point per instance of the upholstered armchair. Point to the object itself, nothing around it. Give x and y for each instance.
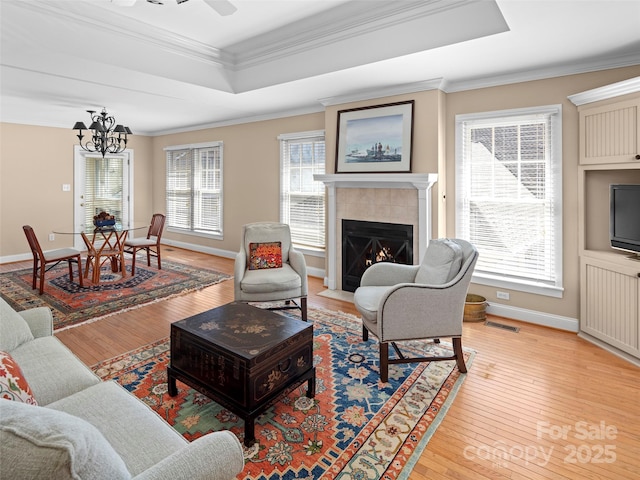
(410, 302)
(268, 269)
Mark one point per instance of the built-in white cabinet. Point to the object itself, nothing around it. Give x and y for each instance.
(610, 301)
(609, 153)
(610, 133)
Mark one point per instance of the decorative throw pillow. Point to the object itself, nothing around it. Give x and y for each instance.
(13, 385)
(265, 255)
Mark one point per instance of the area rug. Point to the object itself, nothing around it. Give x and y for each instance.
(356, 426)
(73, 305)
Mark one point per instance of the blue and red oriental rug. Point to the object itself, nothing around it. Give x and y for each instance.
(356, 427)
(73, 305)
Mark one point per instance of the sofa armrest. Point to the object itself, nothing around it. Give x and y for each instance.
(40, 321)
(216, 456)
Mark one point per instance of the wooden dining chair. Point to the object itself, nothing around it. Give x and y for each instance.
(42, 258)
(151, 243)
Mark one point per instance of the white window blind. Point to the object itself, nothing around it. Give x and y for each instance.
(508, 195)
(194, 188)
(302, 199)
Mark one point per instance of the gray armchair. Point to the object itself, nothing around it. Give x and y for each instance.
(410, 302)
(260, 275)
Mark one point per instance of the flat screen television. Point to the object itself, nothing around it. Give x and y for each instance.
(624, 217)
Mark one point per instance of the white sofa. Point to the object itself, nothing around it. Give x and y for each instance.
(84, 428)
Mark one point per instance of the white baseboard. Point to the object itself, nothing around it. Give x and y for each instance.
(535, 317)
(200, 248)
(16, 258)
(314, 272)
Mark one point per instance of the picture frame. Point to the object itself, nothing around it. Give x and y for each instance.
(375, 139)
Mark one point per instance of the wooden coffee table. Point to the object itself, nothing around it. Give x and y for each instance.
(242, 357)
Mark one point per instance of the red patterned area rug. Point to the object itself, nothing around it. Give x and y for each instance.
(356, 427)
(73, 305)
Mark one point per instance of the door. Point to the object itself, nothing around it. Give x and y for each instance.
(101, 184)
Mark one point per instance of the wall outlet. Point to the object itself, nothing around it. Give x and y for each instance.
(52, 237)
(502, 295)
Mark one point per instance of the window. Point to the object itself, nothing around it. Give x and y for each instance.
(105, 187)
(302, 198)
(509, 197)
(194, 188)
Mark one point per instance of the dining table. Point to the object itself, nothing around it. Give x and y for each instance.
(104, 242)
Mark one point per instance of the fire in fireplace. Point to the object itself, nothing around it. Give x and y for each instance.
(366, 243)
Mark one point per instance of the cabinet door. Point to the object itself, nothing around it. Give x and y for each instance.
(610, 297)
(610, 133)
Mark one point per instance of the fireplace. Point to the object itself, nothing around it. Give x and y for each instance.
(365, 243)
(363, 202)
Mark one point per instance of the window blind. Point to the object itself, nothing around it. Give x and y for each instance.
(508, 194)
(302, 204)
(103, 187)
(194, 188)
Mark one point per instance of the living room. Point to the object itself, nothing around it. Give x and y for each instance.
(31, 179)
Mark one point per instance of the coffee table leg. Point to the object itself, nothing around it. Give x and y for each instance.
(249, 431)
(171, 383)
(311, 384)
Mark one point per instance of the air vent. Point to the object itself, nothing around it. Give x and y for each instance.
(502, 326)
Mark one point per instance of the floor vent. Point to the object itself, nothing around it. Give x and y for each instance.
(502, 326)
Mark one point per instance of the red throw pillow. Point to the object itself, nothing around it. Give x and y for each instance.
(13, 385)
(265, 255)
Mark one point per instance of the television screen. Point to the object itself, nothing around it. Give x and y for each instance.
(624, 217)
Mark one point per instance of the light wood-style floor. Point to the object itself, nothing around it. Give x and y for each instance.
(537, 404)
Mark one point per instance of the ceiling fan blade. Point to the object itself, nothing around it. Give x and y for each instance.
(223, 7)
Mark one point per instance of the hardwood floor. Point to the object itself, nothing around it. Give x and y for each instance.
(537, 404)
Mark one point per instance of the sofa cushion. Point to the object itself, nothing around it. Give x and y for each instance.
(441, 263)
(137, 433)
(37, 442)
(13, 385)
(265, 255)
(52, 370)
(14, 330)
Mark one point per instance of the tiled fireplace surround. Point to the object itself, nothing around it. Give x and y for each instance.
(376, 197)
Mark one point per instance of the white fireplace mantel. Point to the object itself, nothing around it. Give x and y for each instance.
(420, 181)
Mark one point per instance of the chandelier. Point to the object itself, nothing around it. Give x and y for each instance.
(106, 136)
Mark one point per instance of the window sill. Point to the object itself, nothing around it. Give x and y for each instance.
(214, 236)
(527, 286)
(312, 252)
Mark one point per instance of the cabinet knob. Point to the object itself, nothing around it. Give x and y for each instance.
(638, 157)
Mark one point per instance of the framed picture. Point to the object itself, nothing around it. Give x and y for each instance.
(375, 139)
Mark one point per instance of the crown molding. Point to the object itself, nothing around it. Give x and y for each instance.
(591, 65)
(342, 23)
(608, 91)
(434, 84)
(242, 120)
(136, 30)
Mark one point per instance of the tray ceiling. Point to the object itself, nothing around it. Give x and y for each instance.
(162, 68)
